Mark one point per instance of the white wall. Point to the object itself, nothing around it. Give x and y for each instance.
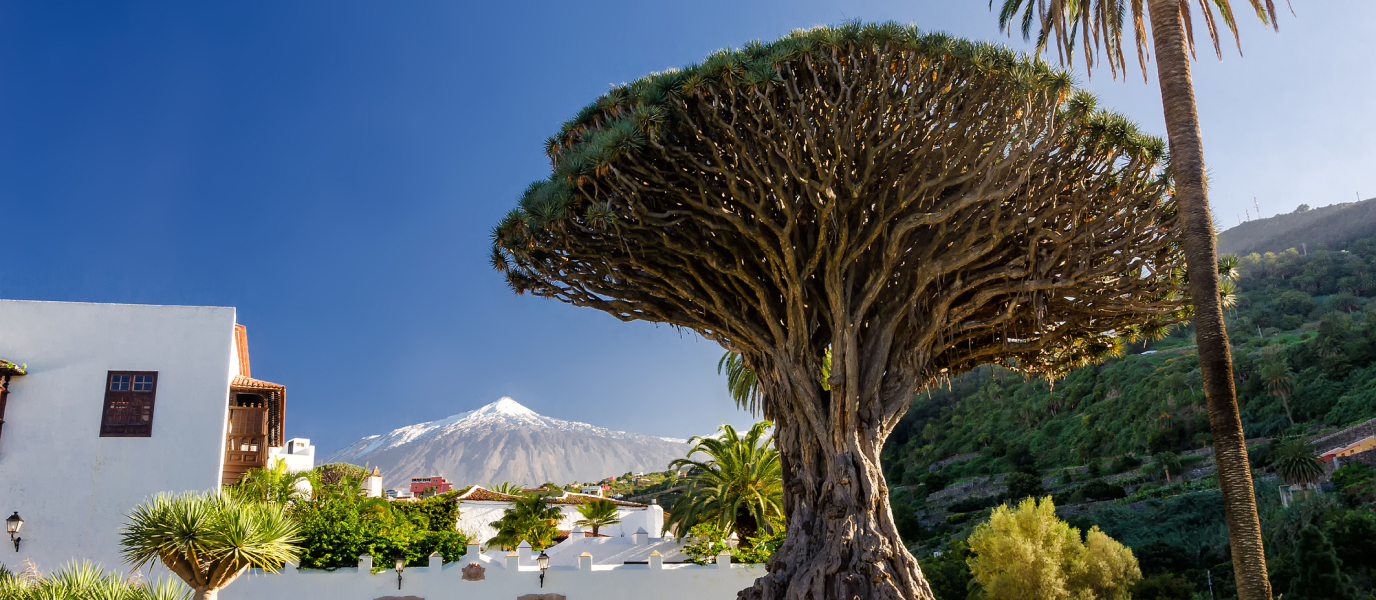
(502, 580)
(72, 487)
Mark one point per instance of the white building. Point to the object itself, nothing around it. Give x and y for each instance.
(479, 507)
(120, 402)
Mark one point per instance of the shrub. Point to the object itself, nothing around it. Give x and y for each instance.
(85, 581)
(1023, 485)
(1027, 553)
(706, 541)
(1163, 587)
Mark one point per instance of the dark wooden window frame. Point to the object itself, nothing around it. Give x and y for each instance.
(126, 411)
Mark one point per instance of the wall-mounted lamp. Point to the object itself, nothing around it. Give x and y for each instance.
(401, 566)
(543, 561)
(12, 525)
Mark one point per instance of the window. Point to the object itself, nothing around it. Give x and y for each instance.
(128, 408)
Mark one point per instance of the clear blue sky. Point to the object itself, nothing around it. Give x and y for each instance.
(332, 169)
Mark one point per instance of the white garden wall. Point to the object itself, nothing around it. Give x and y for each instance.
(476, 518)
(72, 487)
(504, 578)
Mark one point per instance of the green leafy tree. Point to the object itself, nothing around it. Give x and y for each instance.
(949, 573)
(85, 581)
(208, 539)
(1098, 26)
(1167, 463)
(1027, 553)
(1023, 485)
(1320, 572)
(597, 514)
(887, 195)
(530, 519)
(1295, 462)
(736, 485)
(1356, 482)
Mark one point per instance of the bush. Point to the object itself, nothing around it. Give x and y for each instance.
(949, 574)
(973, 504)
(337, 528)
(1023, 485)
(706, 541)
(1163, 587)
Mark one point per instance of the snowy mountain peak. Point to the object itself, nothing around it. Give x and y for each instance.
(507, 441)
(506, 407)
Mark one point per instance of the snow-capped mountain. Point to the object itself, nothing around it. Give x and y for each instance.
(505, 441)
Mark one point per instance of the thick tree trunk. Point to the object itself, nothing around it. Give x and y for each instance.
(842, 543)
(206, 595)
(1201, 258)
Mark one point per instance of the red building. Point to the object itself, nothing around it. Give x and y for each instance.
(436, 485)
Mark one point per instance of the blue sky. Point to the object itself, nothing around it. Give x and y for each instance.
(333, 170)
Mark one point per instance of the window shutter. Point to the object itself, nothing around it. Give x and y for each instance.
(129, 400)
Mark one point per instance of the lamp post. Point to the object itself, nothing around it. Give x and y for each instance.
(401, 566)
(543, 561)
(12, 525)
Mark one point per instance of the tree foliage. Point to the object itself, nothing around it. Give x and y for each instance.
(736, 484)
(1027, 553)
(597, 514)
(529, 519)
(916, 204)
(208, 539)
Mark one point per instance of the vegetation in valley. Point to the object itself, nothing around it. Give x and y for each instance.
(1122, 445)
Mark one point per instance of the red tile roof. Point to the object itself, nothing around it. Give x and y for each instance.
(481, 494)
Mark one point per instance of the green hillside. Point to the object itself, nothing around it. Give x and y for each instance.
(1328, 227)
(1103, 439)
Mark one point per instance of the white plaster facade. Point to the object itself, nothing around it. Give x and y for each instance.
(72, 486)
(512, 577)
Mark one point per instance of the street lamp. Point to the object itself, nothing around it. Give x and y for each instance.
(401, 566)
(543, 561)
(12, 525)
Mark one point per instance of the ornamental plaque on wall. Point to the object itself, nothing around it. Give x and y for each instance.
(474, 572)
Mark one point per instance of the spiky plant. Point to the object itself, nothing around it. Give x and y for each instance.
(86, 581)
(1098, 26)
(736, 485)
(597, 514)
(273, 483)
(208, 539)
(508, 488)
(1295, 461)
(918, 205)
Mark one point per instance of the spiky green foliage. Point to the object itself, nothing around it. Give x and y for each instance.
(508, 488)
(737, 484)
(597, 514)
(530, 519)
(86, 581)
(589, 234)
(208, 539)
(274, 483)
(1295, 461)
(1095, 25)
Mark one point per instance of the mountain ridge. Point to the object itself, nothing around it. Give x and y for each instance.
(505, 441)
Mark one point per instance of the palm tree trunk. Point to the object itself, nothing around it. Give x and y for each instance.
(1201, 260)
(1286, 404)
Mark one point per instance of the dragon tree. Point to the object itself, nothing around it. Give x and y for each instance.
(914, 204)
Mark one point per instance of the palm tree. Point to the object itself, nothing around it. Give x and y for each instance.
(274, 483)
(208, 539)
(739, 487)
(508, 488)
(597, 514)
(1099, 25)
(1295, 462)
(1280, 381)
(529, 519)
(85, 581)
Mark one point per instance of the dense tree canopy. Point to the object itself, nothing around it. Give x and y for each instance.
(915, 204)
